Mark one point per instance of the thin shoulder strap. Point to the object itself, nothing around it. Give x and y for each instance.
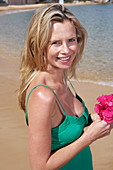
(52, 91)
(77, 96)
(72, 86)
(70, 83)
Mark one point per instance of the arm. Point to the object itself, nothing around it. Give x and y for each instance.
(40, 107)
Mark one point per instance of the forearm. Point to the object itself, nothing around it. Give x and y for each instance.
(65, 154)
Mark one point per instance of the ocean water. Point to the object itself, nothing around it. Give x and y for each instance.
(97, 62)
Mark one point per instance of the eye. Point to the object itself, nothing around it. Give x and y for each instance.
(72, 40)
(56, 43)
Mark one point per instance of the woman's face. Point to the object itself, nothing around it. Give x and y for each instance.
(62, 47)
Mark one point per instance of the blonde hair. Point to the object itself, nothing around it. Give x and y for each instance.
(39, 33)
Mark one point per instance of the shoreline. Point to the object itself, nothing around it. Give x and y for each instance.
(9, 8)
(105, 84)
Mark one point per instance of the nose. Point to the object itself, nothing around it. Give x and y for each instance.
(65, 48)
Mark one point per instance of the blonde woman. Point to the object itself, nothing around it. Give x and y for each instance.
(55, 116)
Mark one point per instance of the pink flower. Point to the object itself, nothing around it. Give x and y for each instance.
(105, 107)
(108, 115)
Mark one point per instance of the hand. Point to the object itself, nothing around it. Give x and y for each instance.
(111, 124)
(94, 116)
(98, 129)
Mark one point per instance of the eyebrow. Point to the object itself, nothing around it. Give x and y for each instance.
(60, 40)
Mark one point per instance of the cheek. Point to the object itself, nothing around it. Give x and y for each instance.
(47, 52)
(52, 52)
(75, 49)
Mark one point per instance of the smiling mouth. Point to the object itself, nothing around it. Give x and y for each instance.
(63, 58)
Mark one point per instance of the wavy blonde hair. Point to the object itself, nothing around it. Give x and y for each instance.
(39, 32)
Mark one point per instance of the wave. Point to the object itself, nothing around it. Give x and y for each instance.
(103, 83)
(15, 11)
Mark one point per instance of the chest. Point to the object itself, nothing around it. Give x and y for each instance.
(71, 104)
(67, 103)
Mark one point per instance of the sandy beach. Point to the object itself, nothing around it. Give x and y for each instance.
(14, 132)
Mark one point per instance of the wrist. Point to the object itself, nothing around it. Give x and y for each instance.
(86, 138)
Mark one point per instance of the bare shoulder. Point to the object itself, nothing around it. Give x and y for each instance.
(43, 93)
(40, 105)
(41, 102)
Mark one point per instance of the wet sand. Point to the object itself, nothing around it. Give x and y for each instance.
(14, 132)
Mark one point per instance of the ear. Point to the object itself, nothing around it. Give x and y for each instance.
(45, 54)
(45, 57)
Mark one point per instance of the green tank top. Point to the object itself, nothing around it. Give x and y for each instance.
(67, 132)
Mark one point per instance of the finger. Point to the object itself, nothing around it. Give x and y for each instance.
(94, 116)
(98, 119)
(104, 122)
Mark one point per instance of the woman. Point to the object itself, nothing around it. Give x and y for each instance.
(55, 116)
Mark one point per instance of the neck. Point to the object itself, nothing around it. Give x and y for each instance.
(56, 75)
